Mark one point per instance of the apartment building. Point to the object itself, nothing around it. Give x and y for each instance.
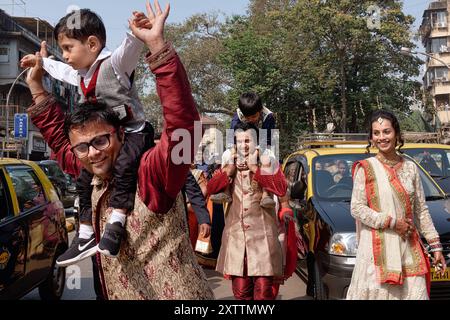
(435, 35)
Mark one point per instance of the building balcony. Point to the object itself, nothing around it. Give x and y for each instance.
(430, 27)
(10, 26)
(435, 30)
(440, 87)
(433, 63)
(437, 5)
(439, 32)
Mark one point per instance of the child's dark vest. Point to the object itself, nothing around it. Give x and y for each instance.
(105, 87)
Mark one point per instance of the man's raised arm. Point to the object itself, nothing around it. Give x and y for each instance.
(160, 179)
(48, 117)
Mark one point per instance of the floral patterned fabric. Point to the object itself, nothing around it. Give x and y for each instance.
(156, 260)
(364, 284)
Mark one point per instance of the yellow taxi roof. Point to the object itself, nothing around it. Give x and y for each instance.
(327, 151)
(7, 161)
(355, 148)
(426, 145)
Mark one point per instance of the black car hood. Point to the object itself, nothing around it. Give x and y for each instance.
(440, 213)
(337, 215)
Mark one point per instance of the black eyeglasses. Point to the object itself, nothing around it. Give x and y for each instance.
(99, 143)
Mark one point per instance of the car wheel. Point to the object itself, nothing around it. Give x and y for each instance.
(319, 292)
(53, 287)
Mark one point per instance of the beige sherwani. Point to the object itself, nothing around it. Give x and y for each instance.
(249, 230)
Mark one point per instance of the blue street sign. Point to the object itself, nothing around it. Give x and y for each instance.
(21, 126)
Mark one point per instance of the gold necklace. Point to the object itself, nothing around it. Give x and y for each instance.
(390, 163)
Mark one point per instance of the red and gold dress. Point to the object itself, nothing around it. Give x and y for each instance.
(388, 267)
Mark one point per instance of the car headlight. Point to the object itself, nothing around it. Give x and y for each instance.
(343, 244)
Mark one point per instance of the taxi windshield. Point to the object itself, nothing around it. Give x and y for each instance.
(332, 177)
(435, 161)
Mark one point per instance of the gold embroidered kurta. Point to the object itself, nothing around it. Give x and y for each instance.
(251, 231)
(156, 261)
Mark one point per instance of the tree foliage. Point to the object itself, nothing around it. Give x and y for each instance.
(312, 61)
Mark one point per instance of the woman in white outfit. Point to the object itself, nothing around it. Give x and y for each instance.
(388, 203)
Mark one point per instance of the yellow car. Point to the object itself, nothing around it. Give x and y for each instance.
(32, 232)
(434, 158)
(320, 192)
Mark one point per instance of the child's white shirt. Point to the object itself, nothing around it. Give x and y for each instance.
(124, 60)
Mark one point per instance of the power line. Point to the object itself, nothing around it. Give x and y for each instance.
(14, 3)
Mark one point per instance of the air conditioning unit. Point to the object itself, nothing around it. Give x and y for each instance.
(443, 49)
(440, 25)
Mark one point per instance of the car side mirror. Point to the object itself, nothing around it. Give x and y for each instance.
(298, 190)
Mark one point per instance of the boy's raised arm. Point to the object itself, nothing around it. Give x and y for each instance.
(48, 117)
(126, 57)
(56, 69)
(61, 71)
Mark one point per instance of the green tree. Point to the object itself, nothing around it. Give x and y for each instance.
(312, 61)
(198, 41)
(322, 52)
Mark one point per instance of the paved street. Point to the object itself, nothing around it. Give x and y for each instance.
(294, 288)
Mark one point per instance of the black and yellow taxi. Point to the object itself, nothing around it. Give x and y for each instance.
(32, 232)
(435, 159)
(321, 186)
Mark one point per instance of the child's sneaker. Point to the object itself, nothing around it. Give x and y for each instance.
(220, 198)
(79, 249)
(109, 244)
(267, 203)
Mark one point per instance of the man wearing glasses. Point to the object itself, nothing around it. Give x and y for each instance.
(156, 260)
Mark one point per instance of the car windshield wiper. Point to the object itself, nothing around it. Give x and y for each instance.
(440, 178)
(431, 198)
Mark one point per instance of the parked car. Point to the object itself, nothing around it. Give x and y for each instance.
(320, 196)
(435, 159)
(63, 183)
(32, 232)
